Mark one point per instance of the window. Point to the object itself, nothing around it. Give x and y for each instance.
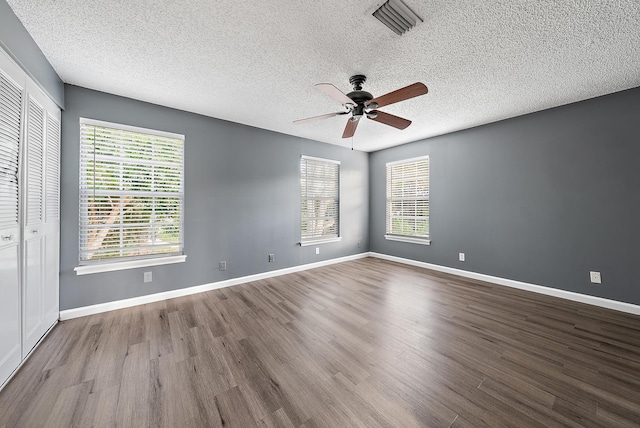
(131, 193)
(320, 185)
(408, 200)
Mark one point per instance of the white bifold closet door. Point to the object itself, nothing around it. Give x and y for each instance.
(51, 227)
(40, 216)
(33, 237)
(29, 214)
(11, 100)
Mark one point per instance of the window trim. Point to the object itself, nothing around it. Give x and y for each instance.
(406, 238)
(114, 264)
(328, 239)
(123, 127)
(319, 241)
(129, 264)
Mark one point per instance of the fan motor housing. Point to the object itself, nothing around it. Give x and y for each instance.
(360, 97)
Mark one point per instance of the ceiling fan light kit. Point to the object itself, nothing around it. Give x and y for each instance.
(360, 103)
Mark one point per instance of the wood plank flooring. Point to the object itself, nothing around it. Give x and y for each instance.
(367, 343)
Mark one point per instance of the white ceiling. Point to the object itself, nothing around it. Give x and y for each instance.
(255, 62)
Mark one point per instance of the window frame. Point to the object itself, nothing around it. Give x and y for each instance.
(414, 239)
(88, 266)
(319, 239)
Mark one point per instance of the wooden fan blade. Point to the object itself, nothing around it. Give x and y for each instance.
(350, 129)
(401, 94)
(334, 93)
(391, 120)
(322, 116)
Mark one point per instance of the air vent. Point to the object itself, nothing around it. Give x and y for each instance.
(397, 16)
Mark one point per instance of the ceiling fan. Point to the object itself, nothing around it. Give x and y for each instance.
(359, 103)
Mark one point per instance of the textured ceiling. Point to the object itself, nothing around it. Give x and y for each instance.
(256, 62)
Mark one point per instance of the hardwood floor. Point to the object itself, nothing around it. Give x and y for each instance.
(367, 343)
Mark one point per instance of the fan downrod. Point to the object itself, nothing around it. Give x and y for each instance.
(357, 81)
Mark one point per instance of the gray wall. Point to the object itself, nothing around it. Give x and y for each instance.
(242, 200)
(15, 39)
(542, 198)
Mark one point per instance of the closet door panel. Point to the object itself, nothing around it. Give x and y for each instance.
(50, 298)
(10, 340)
(33, 304)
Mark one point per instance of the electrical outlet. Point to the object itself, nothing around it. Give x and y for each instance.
(359, 242)
(461, 257)
(595, 277)
(222, 265)
(148, 277)
(272, 258)
(317, 250)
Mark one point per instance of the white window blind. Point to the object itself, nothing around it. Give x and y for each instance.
(320, 184)
(131, 192)
(10, 117)
(408, 198)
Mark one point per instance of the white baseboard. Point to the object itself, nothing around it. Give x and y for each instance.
(150, 298)
(568, 295)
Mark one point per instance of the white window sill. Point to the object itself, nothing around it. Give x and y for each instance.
(132, 264)
(410, 239)
(320, 241)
